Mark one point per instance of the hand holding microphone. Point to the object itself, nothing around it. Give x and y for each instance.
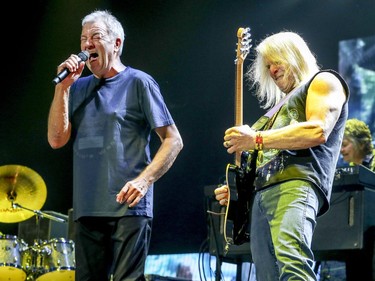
(83, 56)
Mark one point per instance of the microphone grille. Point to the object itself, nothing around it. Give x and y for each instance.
(84, 55)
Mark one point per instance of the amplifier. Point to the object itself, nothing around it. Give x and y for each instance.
(342, 228)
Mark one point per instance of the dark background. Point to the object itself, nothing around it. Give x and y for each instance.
(189, 48)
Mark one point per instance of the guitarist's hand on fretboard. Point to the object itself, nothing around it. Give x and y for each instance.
(239, 138)
(222, 195)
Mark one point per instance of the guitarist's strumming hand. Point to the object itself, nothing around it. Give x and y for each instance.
(221, 195)
(236, 139)
(239, 138)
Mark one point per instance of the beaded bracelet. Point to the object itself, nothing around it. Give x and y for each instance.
(258, 141)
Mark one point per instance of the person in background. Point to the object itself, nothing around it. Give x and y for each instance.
(357, 147)
(109, 117)
(296, 154)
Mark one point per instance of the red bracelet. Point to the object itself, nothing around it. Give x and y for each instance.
(258, 141)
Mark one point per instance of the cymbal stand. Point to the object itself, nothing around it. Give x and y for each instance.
(39, 214)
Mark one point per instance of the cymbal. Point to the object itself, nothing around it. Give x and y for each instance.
(20, 187)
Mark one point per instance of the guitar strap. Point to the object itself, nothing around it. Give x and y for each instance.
(262, 121)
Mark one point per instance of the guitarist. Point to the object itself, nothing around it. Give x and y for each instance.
(296, 154)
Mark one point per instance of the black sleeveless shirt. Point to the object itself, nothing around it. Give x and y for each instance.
(315, 164)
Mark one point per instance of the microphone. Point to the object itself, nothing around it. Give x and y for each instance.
(84, 55)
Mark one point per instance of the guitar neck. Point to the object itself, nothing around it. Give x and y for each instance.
(238, 102)
(243, 46)
(238, 117)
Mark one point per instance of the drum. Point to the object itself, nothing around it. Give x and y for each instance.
(11, 250)
(55, 261)
(29, 261)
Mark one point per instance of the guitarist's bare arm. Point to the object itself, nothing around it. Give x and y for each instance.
(323, 106)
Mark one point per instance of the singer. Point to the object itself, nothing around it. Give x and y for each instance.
(109, 117)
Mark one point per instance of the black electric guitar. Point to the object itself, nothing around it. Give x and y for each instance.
(241, 174)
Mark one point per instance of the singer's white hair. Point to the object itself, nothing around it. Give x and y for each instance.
(291, 51)
(113, 26)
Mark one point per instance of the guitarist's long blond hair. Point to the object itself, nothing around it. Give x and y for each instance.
(288, 49)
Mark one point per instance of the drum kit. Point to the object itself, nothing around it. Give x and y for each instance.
(22, 195)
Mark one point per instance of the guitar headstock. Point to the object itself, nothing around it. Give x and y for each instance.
(243, 43)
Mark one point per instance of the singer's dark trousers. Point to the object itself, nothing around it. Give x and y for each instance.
(112, 248)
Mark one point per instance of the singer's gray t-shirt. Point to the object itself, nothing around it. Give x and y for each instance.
(112, 120)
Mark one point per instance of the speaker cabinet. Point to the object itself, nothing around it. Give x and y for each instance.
(351, 213)
(215, 217)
